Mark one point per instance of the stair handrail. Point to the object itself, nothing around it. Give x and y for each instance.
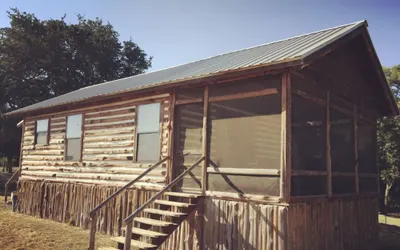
(93, 213)
(8, 183)
(129, 220)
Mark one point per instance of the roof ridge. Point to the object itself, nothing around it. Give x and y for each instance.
(231, 52)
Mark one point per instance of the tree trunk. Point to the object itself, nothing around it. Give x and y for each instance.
(9, 164)
(387, 191)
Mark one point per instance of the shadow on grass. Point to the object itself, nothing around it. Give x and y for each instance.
(389, 237)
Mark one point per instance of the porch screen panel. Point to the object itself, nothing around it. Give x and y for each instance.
(245, 134)
(308, 135)
(190, 123)
(342, 147)
(308, 145)
(367, 157)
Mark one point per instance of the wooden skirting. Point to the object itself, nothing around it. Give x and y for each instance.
(217, 223)
(333, 224)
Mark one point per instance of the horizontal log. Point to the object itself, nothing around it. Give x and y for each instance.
(55, 127)
(110, 131)
(122, 157)
(117, 122)
(110, 121)
(308, 173)
(138, 185)
(42, 158)
(110, 170)
(111, 116)
(50, 163)
(243, 171)
(107, 113)
(110, 144)
(93, 176)
(57, 136)
(60, 119)
(28, 133)
(44, 152)
(107, 151)
(101, 127)
(130, 137)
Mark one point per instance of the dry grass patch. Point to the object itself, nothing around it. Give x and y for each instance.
(22, 232)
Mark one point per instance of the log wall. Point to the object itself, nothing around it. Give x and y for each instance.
(108, 147)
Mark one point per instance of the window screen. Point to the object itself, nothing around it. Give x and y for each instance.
(42, 127)
(249, 127)
(148, 133)
(366, 142)
(308, 134)
(74, 133)
(342, 141)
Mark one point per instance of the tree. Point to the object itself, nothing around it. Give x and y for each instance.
(388, 129)
(41, 59)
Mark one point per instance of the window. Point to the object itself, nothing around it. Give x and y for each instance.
(42, 130)
(148, 133)
(74, 134)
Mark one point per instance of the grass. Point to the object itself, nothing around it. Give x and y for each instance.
(23, 232)
(389, 232)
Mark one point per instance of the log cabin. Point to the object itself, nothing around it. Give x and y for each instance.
(270, 147)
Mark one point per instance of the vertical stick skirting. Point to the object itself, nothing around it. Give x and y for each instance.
(328, 147)
(205, 141)
(356, 164)
(285, 138)
(171, 148)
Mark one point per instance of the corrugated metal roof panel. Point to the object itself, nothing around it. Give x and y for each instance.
(295, 48)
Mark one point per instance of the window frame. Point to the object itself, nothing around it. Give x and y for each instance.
(81, 137)
(37, 132)
(137, 132)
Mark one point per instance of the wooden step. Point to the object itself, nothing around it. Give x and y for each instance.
(143, 232)
(185, 195)
(163, 212)
(173, 203)
(134, 243)
(157, 223)
(108, 248)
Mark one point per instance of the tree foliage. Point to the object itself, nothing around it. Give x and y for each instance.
(389, 137)
(40, 59)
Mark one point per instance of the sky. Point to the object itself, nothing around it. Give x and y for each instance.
(180, 31)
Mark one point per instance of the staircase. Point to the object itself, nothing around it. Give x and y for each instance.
(156, 224)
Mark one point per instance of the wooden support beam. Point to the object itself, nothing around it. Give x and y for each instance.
(308, 173)
(356, 161)
(250, 94)
(82, 136)
(328, 147)
(285, 137)
(205, 141)
(244, 171)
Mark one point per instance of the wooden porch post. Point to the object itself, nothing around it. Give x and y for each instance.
(356, 151)
(286, 142)
(328, 147)
(205, 142)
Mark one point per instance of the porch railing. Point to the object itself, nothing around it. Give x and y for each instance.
(93, 213)
(129, 219)
(8, 183)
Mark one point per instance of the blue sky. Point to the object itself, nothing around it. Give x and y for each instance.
(176, 32)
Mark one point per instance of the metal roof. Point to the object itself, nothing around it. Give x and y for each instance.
(291, 49)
